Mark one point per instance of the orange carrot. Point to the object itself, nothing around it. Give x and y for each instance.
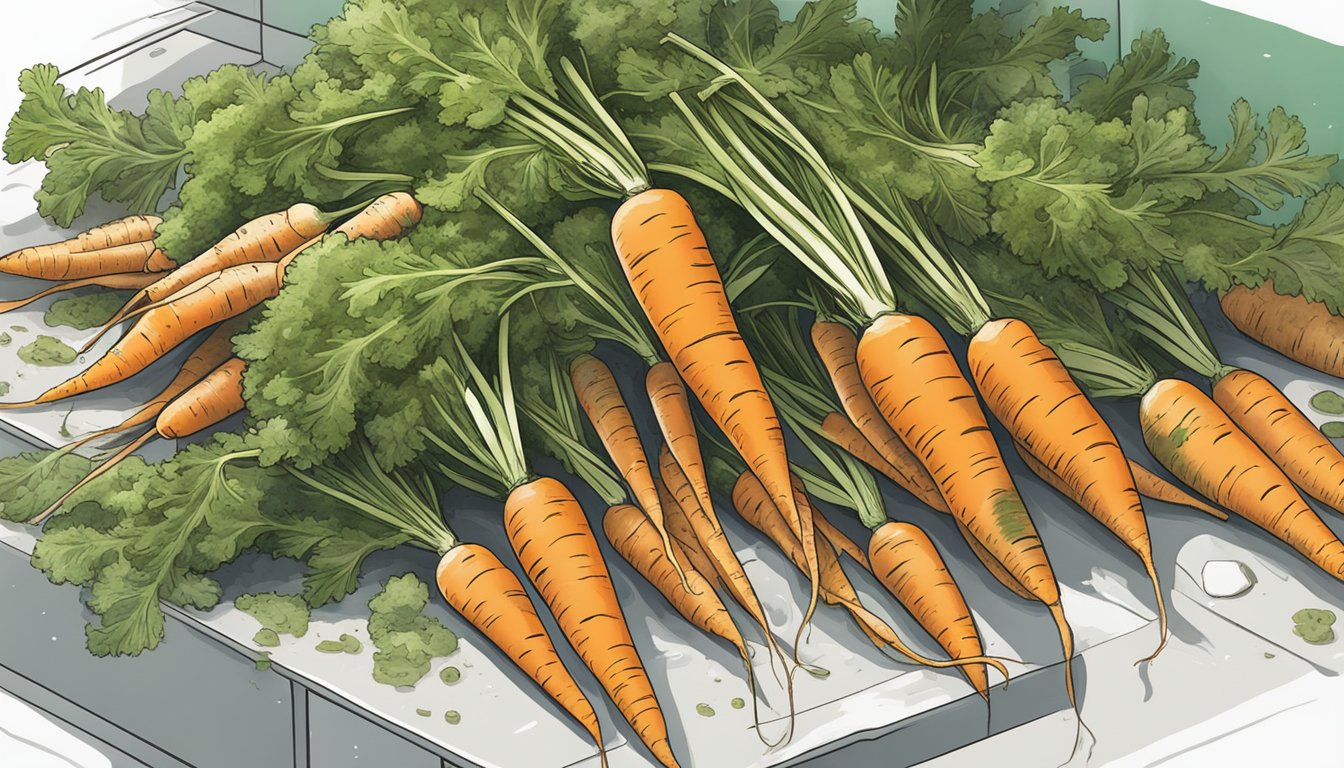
(918, 387)
(1282, 431)
(1305, 331)
(601, 399)
(119, 281)
(841, 431)
(838, 348)
(557, 549)
(683, 536)
(668, 265)
(131, 257)
(994, 567)
(208, 402)
(1200, 444)
(54, 258)
(487, 594)
(265, 239)
(1154, 486)
(909, 566)
(1032, 394)
(386, 218)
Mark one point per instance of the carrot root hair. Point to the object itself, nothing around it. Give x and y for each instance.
(97, 472)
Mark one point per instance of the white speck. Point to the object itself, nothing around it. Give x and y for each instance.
(1267, 56)
(1226, 578)
(53, 638)
(526, 727)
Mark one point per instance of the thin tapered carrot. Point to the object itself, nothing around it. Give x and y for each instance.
(683, 536)
(209, 355)
(920, 390)
(1154, 486)
(1032, 394)
(994, 567)
(159, 331)
(600, 397)
(841, 431)
(755, 506)
(1281, 430)
(264, 239)
(206, 403)
(553, 541)
(1305, 331)
(119, 281)
(131, 257)
(669, 267)
(39, 261)
(838, 348)
(909, 566)
(487, 594)
(633, 536)
(1200, 444)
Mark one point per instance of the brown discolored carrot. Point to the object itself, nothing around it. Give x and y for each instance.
(1305, 331)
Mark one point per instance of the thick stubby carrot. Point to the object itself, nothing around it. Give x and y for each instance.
(1154, 486)
(600, 397)
(1305, 455)
(841, 431)
(669, 267)
(1032, 394)
(206, 403)
(838, 347)
(683, 536)
(1187, 431)
(53, 258)
(385, 218)
(119, 281)
(909, 566)
(1302, 330)
(553, 541)
(920, 390)
(265, 239)
(487, 594)
(131, 257)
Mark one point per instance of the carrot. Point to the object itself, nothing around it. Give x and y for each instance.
(1281, 430)
(918, 387)
(264, 239)
(994, 567)
(757, 508)
(159, 331)
(838, 348)
(1200, 444)
(553, 541)
(634, 537)
(837, 428)
(130, 257)
(54, 258)
(386, 218)
(600, 397)
(487, 594)
(1299, 329)
(1154, 486)
(119, 281)
(909, 566)
(209, 355)
(206, 403)
(668, 265)
(683, 535)
(1032, 394)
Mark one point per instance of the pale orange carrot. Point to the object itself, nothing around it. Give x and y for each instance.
(56, 260)
(1305, 331)
(119, 281)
